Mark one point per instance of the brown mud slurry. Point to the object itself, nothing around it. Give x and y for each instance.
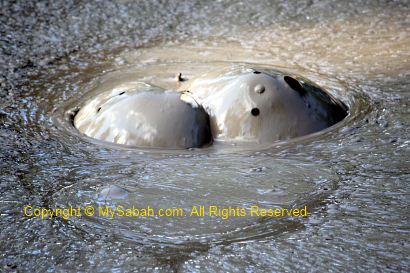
(352, 178)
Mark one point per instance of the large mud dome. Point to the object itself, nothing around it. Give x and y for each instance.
(238, 105)
(353, 177)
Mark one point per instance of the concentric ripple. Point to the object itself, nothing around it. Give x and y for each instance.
(201, 180)
(223, 176)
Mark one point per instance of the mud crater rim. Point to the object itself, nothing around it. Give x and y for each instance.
(222, 146)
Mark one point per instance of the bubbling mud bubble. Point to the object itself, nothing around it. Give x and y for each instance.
(137, 114)
(263, 106)
(238, 104)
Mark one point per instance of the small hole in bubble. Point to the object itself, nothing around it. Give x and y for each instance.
(99, 109)
(294, 84)
(255, 112)
(122, 93)
(256, 72)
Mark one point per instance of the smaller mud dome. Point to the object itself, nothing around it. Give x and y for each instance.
(242, 105)
(137, 114)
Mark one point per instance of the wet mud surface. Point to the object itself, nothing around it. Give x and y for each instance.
(354, 177)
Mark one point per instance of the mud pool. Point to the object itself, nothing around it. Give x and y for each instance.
(353, 177)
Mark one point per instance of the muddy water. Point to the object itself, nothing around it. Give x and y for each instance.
(353, 177)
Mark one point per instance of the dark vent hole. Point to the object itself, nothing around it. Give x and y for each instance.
(255, 112)
(294, 84)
